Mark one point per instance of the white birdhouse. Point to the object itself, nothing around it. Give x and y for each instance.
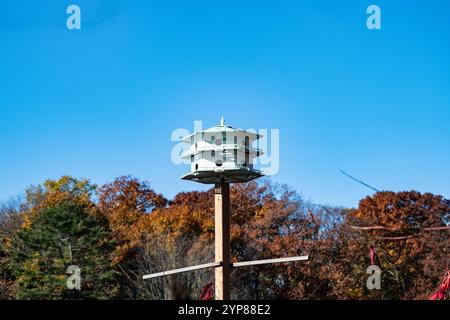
(221, 153)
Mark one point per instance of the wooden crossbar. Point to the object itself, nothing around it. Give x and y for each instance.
(266, 261)
(193, 268)
(219, 264)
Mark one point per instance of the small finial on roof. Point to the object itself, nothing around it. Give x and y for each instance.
(222, 121)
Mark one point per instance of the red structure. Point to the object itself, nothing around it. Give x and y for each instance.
(441, 294)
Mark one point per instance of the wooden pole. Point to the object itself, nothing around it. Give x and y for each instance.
(222, 240)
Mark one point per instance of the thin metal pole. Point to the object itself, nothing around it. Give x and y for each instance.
(222, 240)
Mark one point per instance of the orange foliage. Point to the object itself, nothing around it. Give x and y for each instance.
(125, 203)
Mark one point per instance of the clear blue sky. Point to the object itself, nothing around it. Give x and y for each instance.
(102, 101)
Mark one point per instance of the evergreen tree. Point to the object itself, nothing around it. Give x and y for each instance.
(59, 237)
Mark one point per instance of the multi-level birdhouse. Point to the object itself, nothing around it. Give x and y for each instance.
(222, 154)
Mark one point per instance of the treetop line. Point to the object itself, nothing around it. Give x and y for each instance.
(373, 21)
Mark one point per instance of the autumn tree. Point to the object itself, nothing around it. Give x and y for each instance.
(10, 223)
(125, 204)
(54, 192)
(410, 233)
(173, 237)
(12, 214)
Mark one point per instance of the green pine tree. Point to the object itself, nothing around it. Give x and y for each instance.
(58, 237)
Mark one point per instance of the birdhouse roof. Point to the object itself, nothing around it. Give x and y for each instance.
(223, 128)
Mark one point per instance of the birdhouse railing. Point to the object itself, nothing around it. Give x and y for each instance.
(219, 148)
